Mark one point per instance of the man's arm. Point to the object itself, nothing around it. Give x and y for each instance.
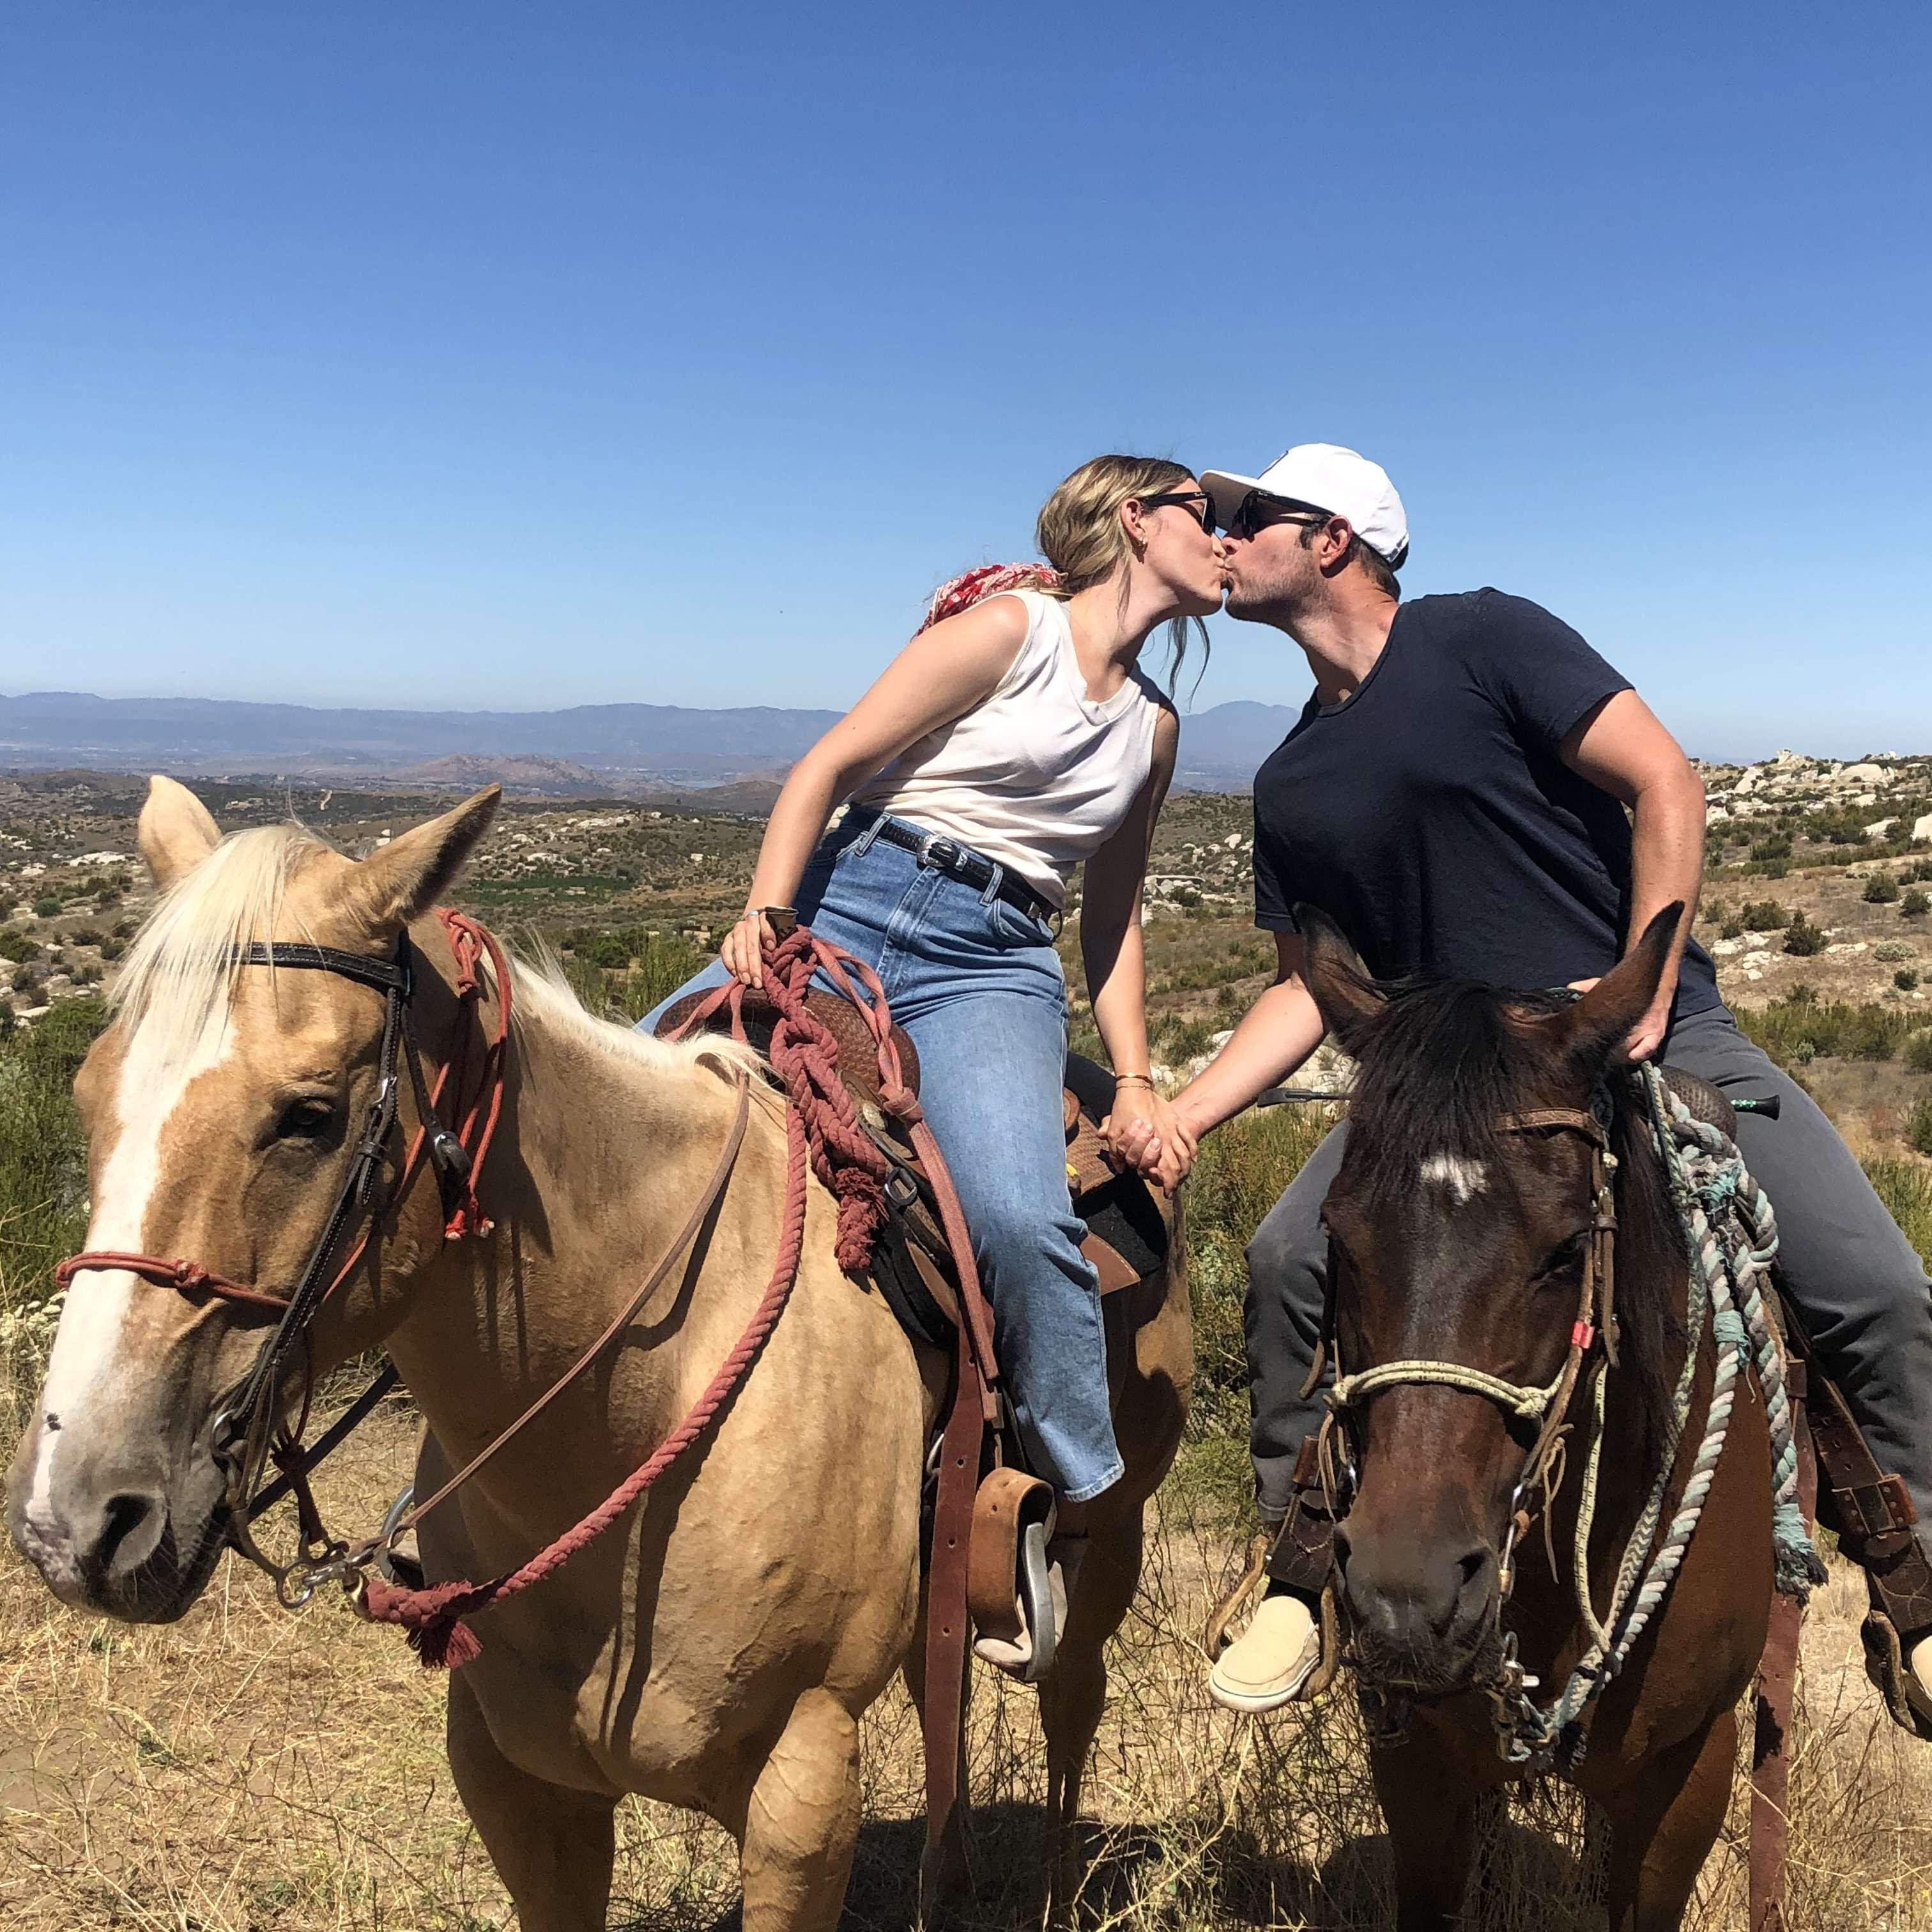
(1621, 747)
(1278, 1032)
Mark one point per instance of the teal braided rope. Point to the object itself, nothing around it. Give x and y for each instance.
(1718, 1186)
(1708, 1180)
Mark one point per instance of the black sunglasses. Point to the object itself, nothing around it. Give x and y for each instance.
(1258, 511)
(1194, 502)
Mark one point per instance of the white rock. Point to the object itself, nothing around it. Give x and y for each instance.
(1723, 948)
(1752, 775)
(1921, 828)
(1847, 946)
(1879, 827)
(1752, 973)
(1861, 775)
(1232, 842)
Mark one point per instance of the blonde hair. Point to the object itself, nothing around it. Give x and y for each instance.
(1080, 534)
(182, 966)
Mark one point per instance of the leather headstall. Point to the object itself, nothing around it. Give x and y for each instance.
(244, 1435)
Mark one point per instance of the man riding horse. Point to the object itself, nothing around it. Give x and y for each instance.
(1453, 795)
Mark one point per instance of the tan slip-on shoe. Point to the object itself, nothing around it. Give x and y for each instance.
(1267, 1665)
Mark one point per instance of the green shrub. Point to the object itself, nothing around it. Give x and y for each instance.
(1914, 904)
(18, 947)
(1890, 952)
(1793, 1029)
(1905, 979)
(1238, 1178)
(1919, 1053)
(1881, 888)
(1919, 1126)
(1803, 939)
(1764, 916)
(47, 907)
(1733, 929)
(43, 1168)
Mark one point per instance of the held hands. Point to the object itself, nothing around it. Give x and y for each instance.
(1145, 1131)
(744, 948)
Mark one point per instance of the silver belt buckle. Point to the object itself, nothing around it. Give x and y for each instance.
(930, 845)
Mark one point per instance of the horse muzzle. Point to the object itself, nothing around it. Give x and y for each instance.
(122, 1537)
(1423, 1617)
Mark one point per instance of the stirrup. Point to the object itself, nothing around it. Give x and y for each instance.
(1010, 1575)
(1215, 1640)
(1890, 1675)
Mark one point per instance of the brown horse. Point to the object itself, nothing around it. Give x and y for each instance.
(1461, 1219)
(717, 1648)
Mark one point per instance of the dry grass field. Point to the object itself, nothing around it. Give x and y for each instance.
(250, 1769)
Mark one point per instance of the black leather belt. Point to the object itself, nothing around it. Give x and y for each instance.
(961, 863)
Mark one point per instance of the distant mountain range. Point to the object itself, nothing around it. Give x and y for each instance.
(589, 748)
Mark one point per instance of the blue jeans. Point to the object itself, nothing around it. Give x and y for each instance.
(977, 985)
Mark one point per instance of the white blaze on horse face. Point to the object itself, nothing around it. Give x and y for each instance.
(1464, 1179)
(78, 1389)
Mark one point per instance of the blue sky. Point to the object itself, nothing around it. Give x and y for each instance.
(508, 355)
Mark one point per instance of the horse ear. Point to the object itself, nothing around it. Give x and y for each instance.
(401, 880)
(1332, 971)
(1613, 1005)
(175, 832)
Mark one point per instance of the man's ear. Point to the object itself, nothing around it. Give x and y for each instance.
(1605, 1015)
(1332, 971)
(175, 833)
(403, 879)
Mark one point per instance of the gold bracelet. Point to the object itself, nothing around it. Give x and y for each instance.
(1135, 1080)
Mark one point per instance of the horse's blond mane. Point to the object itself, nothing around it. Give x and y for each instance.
(180, 971)
(544, 996)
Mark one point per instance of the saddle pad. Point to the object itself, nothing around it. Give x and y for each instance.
(1129, 1223)
(858, 1056)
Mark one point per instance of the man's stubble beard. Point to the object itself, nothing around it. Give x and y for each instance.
(1279, 601)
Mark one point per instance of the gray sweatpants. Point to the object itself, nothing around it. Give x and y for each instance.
(1860, 1290)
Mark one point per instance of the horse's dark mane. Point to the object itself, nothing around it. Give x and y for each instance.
(1440, 1064)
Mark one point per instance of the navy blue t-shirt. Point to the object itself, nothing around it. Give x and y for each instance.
(1430, 815)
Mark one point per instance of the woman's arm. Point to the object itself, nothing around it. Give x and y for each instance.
(941, 675)
(1112, 951)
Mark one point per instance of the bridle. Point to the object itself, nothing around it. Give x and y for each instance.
(1545, 1404)
(245, 1432)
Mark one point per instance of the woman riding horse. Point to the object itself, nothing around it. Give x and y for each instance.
(1014, 737)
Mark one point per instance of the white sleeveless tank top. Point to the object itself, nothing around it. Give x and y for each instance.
(1038, 777)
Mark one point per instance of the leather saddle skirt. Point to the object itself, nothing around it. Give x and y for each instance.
(1129, 1223)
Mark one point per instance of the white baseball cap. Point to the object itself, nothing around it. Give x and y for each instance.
(1324, 476)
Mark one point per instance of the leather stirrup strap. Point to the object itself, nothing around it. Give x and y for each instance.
(946, 1622)
(1873, 1512)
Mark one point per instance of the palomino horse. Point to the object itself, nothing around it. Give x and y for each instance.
(718, 1647)
(1462, 1221)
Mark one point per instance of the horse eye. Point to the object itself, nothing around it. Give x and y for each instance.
(305, 1119)
(1567, 1253)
